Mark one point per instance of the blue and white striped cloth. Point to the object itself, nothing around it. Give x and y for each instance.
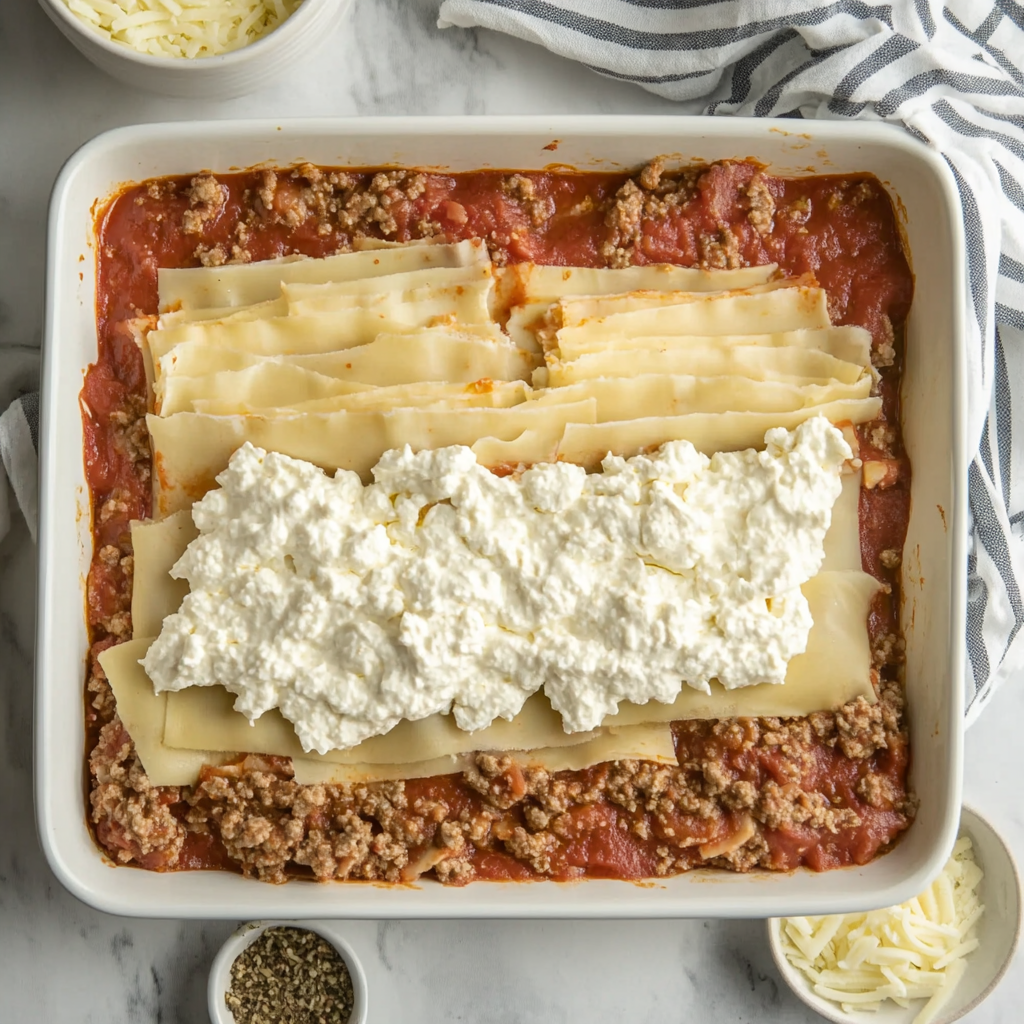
(952, 75)
(19, 434)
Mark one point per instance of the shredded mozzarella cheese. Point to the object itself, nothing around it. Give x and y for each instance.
(913, 951)
(183, 28)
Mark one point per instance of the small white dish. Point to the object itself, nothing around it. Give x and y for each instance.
(998, 932)
(216, 78)
(246, 935)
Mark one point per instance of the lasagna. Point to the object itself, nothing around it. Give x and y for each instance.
(498, 525)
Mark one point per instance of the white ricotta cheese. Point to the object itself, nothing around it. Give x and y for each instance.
(442, 587)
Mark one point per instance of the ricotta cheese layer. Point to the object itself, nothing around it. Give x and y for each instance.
(441, 587)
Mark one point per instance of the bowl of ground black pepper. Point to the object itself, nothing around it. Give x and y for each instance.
(280, 972)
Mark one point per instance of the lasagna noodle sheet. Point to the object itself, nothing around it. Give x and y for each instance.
(577, 309)
(289, 389)
(248, 284)
(266, 383)
(842, 540)
(532, 282)
(850, 344)
(432, 395)
(194, 359)
(225, 314)
(641, 742)
(531, 290)
(190, 449)
(648, 742)
(785, 309)
(467, 303)
(332, 296)
(795, 365)
(329, 332)
(142, 711)
(529, 447)
(316, 298)
(654, 394)
(588, 443)
(202, 717)
(157, 545)
(312, 773)
(389, 361)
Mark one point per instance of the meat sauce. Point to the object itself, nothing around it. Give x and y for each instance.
(840, 229)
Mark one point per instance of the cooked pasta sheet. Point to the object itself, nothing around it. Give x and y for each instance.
(248, 284)
(663, 394)
(428, 395)
(850, 344)
(526, 283)
(440, 356)
(782, 309)
(588, 443)
(197, 359)
(575, 311)
(343, 328)
(190, 449)
(156, 546)
(794, 365)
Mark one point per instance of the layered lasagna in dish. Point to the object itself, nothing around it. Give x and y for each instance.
(497, 525)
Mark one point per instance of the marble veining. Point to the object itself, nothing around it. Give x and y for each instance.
(62, 962)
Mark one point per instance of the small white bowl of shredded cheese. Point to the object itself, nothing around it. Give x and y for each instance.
(203, 49)
(928, 961)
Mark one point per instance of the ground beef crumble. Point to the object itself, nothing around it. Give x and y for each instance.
(206, 201)
(521, 188)
(761, 204)
(131, 435)
(133, 818)
(884, 350)
(721, 251)
(648, 196)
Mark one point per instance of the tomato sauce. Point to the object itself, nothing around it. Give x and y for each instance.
(840, 229)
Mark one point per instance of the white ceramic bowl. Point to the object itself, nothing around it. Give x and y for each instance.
(935, 560)
(242, 938)
(220, 77)
(998, 931)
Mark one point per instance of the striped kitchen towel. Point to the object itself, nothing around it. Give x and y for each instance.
(952, 74)
(19, 432)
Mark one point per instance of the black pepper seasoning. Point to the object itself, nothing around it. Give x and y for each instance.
(290, 976)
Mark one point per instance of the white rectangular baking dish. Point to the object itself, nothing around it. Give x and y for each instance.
(934, 564)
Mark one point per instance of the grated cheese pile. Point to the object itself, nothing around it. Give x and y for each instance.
(183, 28)
(913, 951)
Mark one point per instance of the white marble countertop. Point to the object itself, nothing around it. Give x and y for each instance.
(61, 961)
